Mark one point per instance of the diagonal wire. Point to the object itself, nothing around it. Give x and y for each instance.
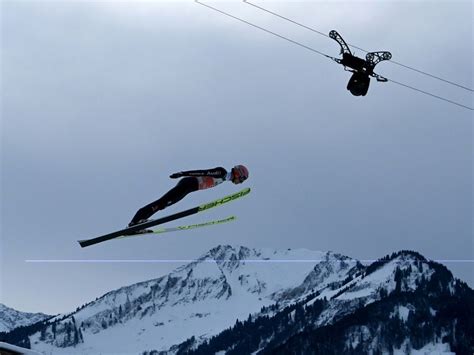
(265, 30)
(430, 94)
(364, 50)
(325, 55)
(290, 20)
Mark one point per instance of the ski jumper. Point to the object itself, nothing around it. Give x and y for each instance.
(193, 180)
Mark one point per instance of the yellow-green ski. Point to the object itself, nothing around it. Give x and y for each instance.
(182, 228)
(155, 222)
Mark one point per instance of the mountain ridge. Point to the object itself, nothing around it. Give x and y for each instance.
(11, 318)
(204, 298)
(383, 323)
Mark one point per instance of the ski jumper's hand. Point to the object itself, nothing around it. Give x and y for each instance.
(176, 175)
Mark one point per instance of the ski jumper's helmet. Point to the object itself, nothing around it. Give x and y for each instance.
(240, 173)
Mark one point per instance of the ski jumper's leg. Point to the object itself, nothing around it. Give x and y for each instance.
(177, 193)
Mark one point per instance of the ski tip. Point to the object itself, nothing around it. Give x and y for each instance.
(223, 200)
(85, 243)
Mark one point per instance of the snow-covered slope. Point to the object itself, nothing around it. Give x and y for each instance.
(404, 271)
(11, 318)
(286, 292)
(402, 303)
(199, 299)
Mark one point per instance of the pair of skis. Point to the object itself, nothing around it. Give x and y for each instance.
(128, 232)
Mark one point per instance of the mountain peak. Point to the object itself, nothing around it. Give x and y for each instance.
(227, 253)
(230, 282)
(11, 318)
(407, 254)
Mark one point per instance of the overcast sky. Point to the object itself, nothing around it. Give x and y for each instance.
(102, 100)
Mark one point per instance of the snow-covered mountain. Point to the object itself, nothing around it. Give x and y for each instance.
(286, 293)
(198, 299)
(11, 318)
(401, 304)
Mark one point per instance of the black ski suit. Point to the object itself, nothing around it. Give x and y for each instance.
(193, 180)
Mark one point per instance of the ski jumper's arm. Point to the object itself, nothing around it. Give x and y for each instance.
(219, 173)
(205, 178)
